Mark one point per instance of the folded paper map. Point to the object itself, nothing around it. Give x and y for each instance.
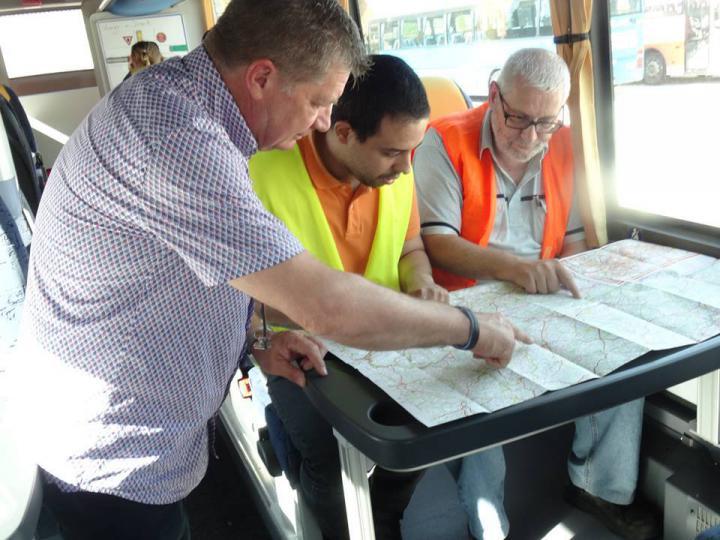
(636, 297)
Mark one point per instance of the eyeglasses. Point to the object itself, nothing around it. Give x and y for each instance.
(543, 126)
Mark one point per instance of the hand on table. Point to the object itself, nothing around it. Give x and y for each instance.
(292, 353)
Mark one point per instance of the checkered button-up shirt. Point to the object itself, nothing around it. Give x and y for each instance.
(131, 331)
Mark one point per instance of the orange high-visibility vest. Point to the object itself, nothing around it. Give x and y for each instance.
(460, 133)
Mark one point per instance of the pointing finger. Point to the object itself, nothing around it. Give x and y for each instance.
(521, 336)
(567, 280)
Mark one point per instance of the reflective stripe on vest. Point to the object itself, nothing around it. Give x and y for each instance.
(460, 133)
(282, 183)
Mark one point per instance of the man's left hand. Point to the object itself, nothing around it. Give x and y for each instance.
(291, 354)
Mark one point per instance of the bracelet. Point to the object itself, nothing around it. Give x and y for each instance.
(261, 339)
(474, 330)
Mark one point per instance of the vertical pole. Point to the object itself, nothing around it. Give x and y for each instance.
(708, 407)
(356, 489)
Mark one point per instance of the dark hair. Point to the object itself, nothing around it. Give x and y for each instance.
(301, 37)
(147, 53)
(389, 88)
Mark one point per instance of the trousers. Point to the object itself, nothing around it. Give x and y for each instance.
(320, 480)
(83, 515)
(604, 461)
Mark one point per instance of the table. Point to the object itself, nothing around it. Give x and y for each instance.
(372, 428)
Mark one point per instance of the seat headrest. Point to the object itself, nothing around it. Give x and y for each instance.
(445, 96)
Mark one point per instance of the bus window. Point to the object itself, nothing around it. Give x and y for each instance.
(64, 29)
(218, 8)
(681, 39)
(466, 41)
(664, 150)
(697, 35)
(626, 40)
(470, 40)
(391, 35)
(460, 26)
(411, 33)
(372, 38)
(523, 19)
(545, 21)
(434, 29)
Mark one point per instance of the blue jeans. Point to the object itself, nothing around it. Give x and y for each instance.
(710, 534)
(604, 461)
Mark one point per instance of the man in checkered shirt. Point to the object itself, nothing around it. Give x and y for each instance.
(150, 244)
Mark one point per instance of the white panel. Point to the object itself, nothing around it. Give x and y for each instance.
(117, 35)
(111, 57)
(687, 390)
(708, 421)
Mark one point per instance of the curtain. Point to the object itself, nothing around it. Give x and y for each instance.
(574, 17)
(208, 14)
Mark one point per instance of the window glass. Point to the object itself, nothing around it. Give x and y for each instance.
(665, 124)
(45, 42)
(460, 26)
(464, 40)
(218, 7)
(411, 32)
(391, 35)
(625, 7)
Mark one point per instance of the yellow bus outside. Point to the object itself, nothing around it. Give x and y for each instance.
(681, 38)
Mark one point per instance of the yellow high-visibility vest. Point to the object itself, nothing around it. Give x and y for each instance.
(282, 183)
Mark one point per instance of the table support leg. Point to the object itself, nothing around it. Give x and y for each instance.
(355, 466)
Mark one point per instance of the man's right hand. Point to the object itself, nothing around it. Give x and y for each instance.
(497, 339)
(291, 353)
(545, 276)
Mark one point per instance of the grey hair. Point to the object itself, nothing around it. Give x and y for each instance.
(539, 68)
(303, 38)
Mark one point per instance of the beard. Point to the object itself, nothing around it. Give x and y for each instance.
(525, 155)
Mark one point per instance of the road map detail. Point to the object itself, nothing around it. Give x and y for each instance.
(637, 297)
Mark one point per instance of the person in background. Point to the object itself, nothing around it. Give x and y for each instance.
(143, 54)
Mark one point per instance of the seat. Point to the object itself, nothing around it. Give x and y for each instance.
(27, 162)
(14, 244)
(445, 96)
(20, 483)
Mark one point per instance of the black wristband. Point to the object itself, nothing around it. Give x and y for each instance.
(474, 330)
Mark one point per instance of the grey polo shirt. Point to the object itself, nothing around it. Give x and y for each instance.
(520, 209)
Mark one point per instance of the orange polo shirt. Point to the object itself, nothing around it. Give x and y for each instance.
(351, 214)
